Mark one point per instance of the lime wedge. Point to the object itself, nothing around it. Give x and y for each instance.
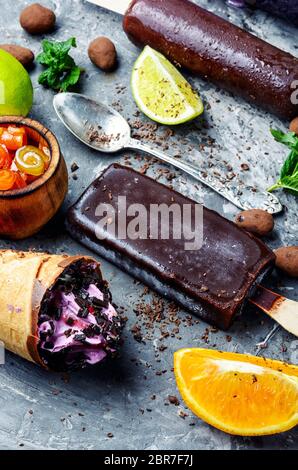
(161, 92)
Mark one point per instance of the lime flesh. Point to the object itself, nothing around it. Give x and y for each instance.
(16, 91)
(161, 92)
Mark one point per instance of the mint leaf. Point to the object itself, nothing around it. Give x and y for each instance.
(66, 45)
(289, 172)
(290, 167)
(71, 78)
(290, 139)
(290, 183)
(61, 70)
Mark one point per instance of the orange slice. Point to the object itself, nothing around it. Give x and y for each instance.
(238, 393)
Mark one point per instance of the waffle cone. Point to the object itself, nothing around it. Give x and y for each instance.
(24, 279)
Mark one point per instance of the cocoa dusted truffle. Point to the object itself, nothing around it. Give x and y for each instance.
(287, 260)
(255, 221)
(102, 53)
(37, 19)
(294, 126)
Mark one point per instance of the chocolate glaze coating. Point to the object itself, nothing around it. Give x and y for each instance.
(217, 50)
(212, 282)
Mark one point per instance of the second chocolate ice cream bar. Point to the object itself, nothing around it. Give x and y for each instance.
(213, 281)
(218, 51)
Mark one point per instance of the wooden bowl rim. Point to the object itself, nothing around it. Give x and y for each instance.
(54, 149)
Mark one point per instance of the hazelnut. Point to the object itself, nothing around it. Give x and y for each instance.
(287, 260)
(256, 221)
(37, 19)
(102, 53)
(294, 126)
(22, 54)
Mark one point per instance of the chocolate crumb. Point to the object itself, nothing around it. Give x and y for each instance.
(244, 167)
(74, 167)
(173, 400)
(137, 334)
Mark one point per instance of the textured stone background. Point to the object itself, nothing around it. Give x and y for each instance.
(50, 411)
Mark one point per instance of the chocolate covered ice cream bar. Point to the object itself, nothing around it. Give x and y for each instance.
(218, 51)
(213, 282)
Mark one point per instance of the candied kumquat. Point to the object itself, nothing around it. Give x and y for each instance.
(20, 181)
(7, 179)
(12, 141)
(5, 158)
(20, 164)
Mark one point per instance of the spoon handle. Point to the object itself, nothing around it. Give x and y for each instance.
(244, 197)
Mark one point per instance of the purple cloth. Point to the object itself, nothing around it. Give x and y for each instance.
(287, 9)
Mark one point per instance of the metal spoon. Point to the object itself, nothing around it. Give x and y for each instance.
(102, 128)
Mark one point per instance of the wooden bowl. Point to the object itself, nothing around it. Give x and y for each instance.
(24, 212)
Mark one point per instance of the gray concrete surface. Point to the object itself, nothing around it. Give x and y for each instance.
(40, 410)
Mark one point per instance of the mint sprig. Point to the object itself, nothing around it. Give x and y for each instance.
(61, 71)
(289, 173)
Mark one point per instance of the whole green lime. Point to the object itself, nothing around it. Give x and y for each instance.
(16, 91)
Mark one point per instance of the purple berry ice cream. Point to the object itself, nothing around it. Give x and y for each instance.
(78, 324)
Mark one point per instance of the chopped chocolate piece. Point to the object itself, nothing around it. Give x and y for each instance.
(84, 295)
(92, 330)
(137, 334)
(99, 303)
(173, 400)
(80, 337)
(182, 414)
(68, 333)
(58, 313)
(83, 312)
(44, 318)
(74, 167)
(244, 167)
(70, 321)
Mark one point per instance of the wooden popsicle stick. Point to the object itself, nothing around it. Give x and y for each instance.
(118, 6)
(282, 310)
